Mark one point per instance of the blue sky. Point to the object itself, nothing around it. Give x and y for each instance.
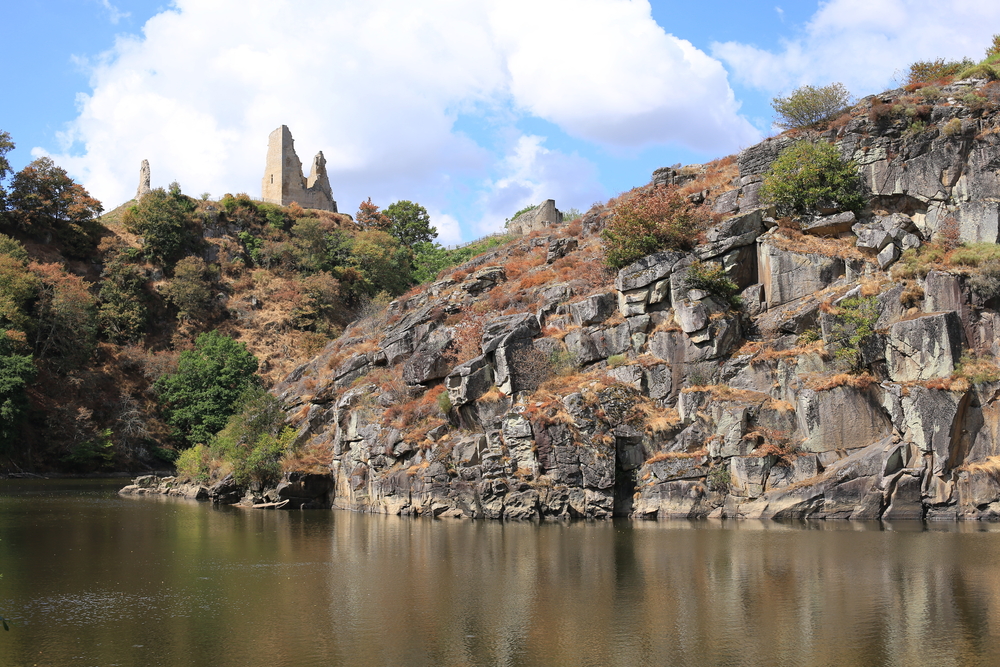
(474, 108)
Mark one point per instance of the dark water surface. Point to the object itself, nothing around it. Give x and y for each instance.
(93, 579)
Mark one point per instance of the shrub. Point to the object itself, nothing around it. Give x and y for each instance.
(712, 278)
(719, 478)
(809, 105)
(952, 127)
(193, 463)
(808, 174)
(978, 370)
(981, 71)
(936, 70)
(651, 220)
(986, 281)
(856, 319)
(189, 290)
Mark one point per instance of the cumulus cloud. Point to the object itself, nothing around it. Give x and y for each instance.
(866, 43)
(378, 87)
(531, 173)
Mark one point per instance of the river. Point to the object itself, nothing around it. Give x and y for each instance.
(90, 578)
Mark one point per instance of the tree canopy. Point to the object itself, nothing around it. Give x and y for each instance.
(44, 198)
(807, 174)
(809, 104)
(410, 223)
(202, 394)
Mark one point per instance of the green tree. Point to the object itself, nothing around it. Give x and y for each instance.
(18, 288)
(199, 398)
(16, 372)
(6, 146)
(410, 223)
(43, 199)
(162, 220)
(383, 263)
(189, 289)
(808, 174)
(122, 314)
(808, 105)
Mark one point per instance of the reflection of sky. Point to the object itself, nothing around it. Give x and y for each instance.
(141, 581)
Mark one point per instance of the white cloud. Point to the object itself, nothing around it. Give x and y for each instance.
(530, 174)
(378, 87)
(114, 14)
(865, 43)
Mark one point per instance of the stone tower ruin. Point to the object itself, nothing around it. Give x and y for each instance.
(283, 180)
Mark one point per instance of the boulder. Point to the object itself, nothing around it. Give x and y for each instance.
(646, 271)
(469, 381)
(594, 309)
(503, 330)
(932, 418)
(924, 347)
(831, 225)
(559, 248)
(841, 418)
(787, 275)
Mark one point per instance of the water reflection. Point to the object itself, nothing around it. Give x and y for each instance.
(90, 578)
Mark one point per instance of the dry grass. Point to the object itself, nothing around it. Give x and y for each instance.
(861, 381)
(667, 456)
(718, 174)
(793, 240)
(990, 466)
(767, 353)
(314, 459)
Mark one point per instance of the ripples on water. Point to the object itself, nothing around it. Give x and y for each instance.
(94, 579)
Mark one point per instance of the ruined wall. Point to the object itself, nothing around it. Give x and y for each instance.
(539, 218)
(283, 181)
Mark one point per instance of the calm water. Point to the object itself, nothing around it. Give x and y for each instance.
(93, 579)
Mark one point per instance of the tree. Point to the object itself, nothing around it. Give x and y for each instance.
(410, 223)
(370, 218)
(65, 315)
(44, 198)
(16, 372)
(189, 290)
(18, 288)
(382, 261)
(6, 145)
(808, 105)
(122, 314)
(807, 174)
(161, 219)
(201, 395)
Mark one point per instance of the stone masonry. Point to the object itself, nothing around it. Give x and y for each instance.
(283, 181)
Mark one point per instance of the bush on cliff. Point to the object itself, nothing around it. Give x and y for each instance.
(809, 175)
(649, 220)
(809, 105)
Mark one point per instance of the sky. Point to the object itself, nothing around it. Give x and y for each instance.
(472, 108)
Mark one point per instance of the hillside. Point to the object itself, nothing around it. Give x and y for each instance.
(855, 376)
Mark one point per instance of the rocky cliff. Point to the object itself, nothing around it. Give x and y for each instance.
(857, 379)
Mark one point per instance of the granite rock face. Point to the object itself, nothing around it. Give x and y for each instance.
(835, 387)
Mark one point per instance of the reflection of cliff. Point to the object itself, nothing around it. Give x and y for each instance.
(283, 180)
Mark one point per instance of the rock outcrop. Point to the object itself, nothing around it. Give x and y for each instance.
(529, 384)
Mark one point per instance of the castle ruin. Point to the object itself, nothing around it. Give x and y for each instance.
(283, 180)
